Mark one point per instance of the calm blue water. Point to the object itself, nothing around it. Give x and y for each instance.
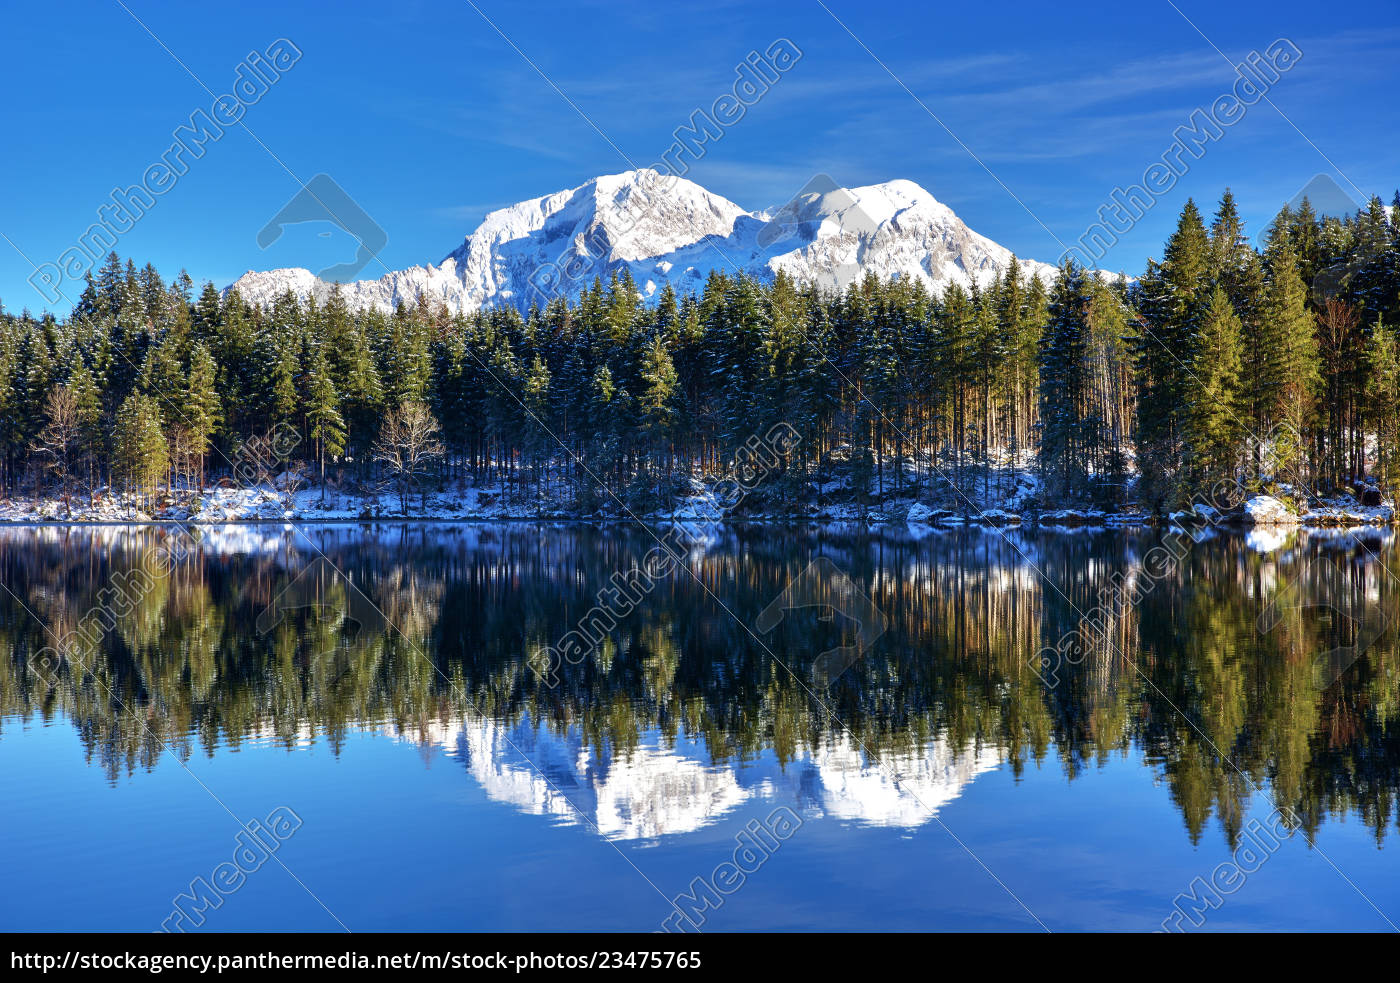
(938, 783)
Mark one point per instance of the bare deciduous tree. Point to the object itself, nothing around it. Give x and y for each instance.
(59, 443)
(407, 446)
(290, 481)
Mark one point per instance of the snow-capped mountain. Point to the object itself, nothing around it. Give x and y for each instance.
(665, 229)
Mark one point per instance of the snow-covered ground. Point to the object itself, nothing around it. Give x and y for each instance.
(271, 503)
(1346, 512)
(285, 500)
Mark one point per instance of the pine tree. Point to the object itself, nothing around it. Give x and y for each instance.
(1295, 374)
(163, 379)
(1186, 262)
(1260, 385)
(538, 408)
(282, 397)
(1384, 397)
(202, 410)
(1061, 447)
(957, 325)
(658, 395)
(34, 367)
(1110, 388)
(87, 401)
(1214, 427)
(361, 391)
(1229, 251)
(325, 425)
(607, 414)
(1165, 344)
(142, 455)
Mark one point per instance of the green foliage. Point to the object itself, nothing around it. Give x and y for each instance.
(1214, 405)
(1217, 363)
(141, 455)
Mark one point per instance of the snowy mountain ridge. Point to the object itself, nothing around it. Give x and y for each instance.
(668, 230)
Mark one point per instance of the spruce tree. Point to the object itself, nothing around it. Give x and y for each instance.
(658, 395)
(142, 455)
(1168, 297)
(1061, 445)
(87, 400)
(1214, 426)
(538, 427)
(203, 411)
(325, 425)
(1289, 330)
(1383, 393)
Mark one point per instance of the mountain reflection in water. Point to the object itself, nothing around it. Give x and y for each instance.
(686, 712)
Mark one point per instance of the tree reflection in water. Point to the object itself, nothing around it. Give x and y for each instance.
(684, 711)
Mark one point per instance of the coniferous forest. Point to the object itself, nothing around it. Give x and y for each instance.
(1219, 363)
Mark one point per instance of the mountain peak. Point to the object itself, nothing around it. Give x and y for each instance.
(643, 179)
(667, 229)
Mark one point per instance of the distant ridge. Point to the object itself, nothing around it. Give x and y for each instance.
(668, 230)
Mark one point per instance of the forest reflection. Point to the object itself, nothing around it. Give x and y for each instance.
(686, 690)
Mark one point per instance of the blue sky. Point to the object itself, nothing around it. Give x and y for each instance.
(428, 117)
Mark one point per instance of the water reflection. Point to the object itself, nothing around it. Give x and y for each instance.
(685, 712)
(663, 786)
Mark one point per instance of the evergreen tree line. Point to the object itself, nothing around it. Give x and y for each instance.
(1260, 367)
(1221, 361)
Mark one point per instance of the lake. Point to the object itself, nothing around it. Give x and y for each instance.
(449, 727)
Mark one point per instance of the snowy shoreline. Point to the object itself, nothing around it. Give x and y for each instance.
(265, 507)
(283, 502)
